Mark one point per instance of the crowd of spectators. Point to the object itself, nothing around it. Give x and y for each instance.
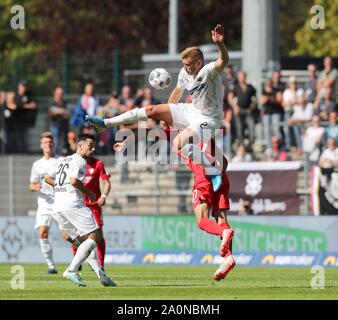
(295, 119)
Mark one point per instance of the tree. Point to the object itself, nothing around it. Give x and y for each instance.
(319, 42)
(292, 15)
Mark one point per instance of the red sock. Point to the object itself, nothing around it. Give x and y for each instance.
(101, 251)
(226, 225)
(210, 226)
(74, 249)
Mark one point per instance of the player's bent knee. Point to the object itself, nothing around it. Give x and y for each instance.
(177, 144)
(44, 235)
(150, 110)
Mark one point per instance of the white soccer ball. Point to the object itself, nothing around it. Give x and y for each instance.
(159, 79)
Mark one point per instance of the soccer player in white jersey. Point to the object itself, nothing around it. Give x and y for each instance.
(199, 118)
(73, 216)
(45, 200)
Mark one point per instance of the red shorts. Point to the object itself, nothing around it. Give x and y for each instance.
(97, 213)
(203, 193)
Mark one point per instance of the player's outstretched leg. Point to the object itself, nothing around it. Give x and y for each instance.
(154, 112)
(226, 266)
(97, 122)
(128, 117)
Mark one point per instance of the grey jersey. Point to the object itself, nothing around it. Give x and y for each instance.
(205, 90)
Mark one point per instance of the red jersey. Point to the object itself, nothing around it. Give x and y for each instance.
(197, 169)
(94, 171)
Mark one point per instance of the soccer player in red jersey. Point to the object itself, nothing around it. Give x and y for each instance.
(204, 201)
(95, 171)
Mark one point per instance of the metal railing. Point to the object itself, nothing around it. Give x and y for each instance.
(150, 189)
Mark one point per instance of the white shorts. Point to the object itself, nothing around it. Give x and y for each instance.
(185, 115)
(76, 222)
(43, 217)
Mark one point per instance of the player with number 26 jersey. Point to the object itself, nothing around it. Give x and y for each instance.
(67, 197)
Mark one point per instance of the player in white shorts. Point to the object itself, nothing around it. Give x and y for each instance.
(199, 118)
(45, 201)
(73, 216)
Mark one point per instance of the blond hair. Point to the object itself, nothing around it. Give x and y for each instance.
(194, 53)
(46, 134)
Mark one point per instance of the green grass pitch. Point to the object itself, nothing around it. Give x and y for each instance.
(171, 283)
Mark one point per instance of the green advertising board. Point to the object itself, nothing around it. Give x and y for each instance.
(182, 233)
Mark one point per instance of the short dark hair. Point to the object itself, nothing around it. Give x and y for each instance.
(84, 137)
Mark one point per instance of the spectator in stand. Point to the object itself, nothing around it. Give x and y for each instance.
(331, 130)
(242, 155)
(125, 94)
(302, 114)
(327, 79)
(112, 108)
(277, 83)
(243, 101)
(246, 207)
(272, 111)
(58, 117)
(23, 110)
(148, 96)
(139, 97)
(229, 80)
(71, 145)
(312, 140)
(329, 157)
(87, 104)
(288, 101)
(277, 152)
(326, 105)
(227, 132)
(145, 97)
(311, 84)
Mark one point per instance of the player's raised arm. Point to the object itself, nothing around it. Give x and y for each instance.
(175, 95)
(217, 36)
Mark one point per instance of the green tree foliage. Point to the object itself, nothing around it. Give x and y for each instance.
(128, 26)
(292, 15)
(319, 42)
(91, 31)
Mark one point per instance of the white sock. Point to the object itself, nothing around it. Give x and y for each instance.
(93, 262)
(127, 117)
(195, 154)
(82, 253)
(47, 252)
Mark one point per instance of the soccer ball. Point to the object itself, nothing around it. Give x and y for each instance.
(159, 79)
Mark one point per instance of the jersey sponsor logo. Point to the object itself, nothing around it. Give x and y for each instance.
(81, 173)
(330, 260)
(197, 88)
(62, 189)
(204, 124)
(91, 170)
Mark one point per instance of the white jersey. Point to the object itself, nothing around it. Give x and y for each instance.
(39, 170)
(205, 90)
(68, 197)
